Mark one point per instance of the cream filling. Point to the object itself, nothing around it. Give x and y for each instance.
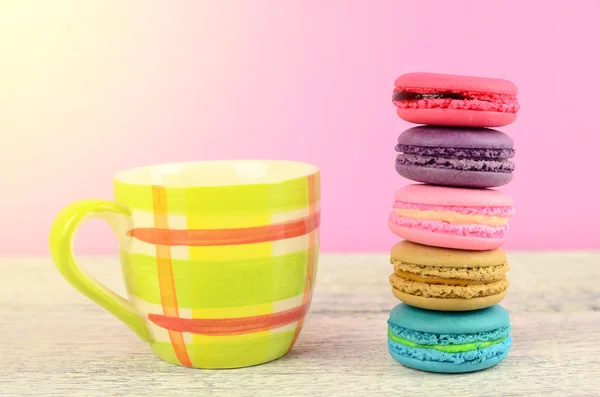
(453, 217)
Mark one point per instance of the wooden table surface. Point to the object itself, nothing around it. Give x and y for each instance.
(55, 342)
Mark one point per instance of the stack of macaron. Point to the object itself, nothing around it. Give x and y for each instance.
(450, 269)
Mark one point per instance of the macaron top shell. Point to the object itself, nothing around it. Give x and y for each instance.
(449, 137)
(439, 322)
(424, 255)
(451, 82)
(451, 196)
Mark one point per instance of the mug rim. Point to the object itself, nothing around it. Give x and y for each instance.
(245, 172)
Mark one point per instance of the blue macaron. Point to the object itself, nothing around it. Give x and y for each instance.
(449, 342)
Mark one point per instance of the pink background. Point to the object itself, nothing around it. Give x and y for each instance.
(90, 88)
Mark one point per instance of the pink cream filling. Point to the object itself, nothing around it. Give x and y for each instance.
(483, 101)
(468, 230)
(488, 211)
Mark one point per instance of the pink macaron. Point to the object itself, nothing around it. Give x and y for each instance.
(453, 100)
(448, 217)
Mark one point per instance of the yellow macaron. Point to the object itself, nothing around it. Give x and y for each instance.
(447, 279)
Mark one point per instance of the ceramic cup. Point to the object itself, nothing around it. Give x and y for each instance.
(219, 257)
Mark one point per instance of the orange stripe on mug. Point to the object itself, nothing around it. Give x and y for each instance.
(166, 281)
(215, 237)
(229, 326)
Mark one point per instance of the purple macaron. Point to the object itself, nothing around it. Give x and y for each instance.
(461, 157)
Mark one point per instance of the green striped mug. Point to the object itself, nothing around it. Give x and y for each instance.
(219, 257)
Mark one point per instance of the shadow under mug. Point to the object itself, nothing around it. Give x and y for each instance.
(219, 258)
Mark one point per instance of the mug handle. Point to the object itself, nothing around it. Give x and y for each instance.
(63, 231)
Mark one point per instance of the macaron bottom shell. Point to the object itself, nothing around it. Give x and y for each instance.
(443, 240)
(445, 367)
(456, 117)
(449, 304)
(450, 177)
